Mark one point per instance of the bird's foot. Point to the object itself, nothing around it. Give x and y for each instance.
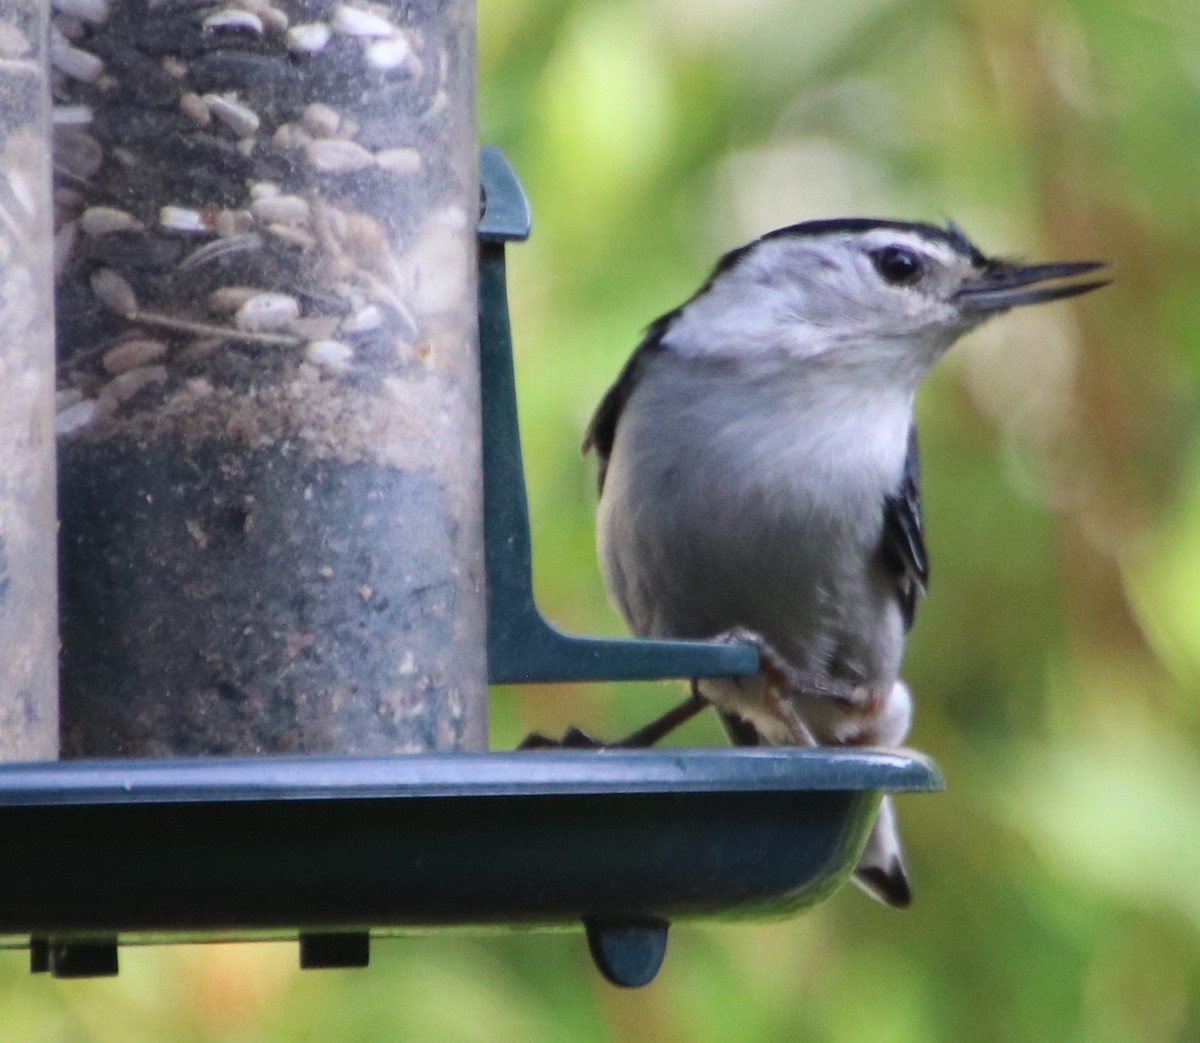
(643, 738)
(781, 676)
(573, 739)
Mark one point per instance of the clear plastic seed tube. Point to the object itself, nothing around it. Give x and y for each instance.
(28, 638)
(268, 424)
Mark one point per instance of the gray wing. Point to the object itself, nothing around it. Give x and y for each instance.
(902, 545)
(603, 429)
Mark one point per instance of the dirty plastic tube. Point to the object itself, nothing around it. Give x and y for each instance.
(269, 439)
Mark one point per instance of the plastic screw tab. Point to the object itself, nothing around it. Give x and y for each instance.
(627, 952)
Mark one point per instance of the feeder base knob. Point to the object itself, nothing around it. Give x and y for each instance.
(627, 952)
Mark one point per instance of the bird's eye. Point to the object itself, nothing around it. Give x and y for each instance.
(897, 265)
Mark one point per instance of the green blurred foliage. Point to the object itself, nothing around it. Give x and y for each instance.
(1056, 663)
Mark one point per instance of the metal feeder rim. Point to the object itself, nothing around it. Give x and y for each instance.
(450, 775)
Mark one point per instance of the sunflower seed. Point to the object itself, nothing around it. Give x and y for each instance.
(288, 210)
(75, 417)
(228, 299)
(94, 12)
(275, 19)
(353, 21)
(331, 355)
(239, 118)
(131, 354)
(64, 398)
(365, 238)
(65, 214)
(64, 247)
(114, 292)
(233, 19)
(272, 17)
(126, 157)
(335, 156)
(363, 320)
(69, 201)
(308, 38)
(72, 28)
(73, 62)
(267, 312)
(196, 107)
(290, 135)
(293, 236)
(232, 224)
(183, 219)
(71, 115)
(101, 220)
(200, 351)
(403, 161)
(316, 327)
(77, 154)
(385, 55)
(320, 120)
(124, 387)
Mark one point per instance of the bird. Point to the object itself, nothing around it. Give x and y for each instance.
(759, 475)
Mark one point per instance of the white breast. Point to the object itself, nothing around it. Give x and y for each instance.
(752, 495)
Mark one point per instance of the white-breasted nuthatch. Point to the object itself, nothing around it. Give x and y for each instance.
(759, 473)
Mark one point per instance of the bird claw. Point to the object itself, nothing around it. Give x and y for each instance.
(573, 739)
(781, 676)
(643, 738)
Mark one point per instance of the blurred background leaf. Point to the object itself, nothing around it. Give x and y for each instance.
(1056, 664)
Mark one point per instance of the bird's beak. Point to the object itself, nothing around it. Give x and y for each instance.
(1004, 285)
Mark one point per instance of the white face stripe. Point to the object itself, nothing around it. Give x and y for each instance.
(938, 250)
(778, 259)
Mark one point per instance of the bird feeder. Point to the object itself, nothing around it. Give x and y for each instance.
(294, 540)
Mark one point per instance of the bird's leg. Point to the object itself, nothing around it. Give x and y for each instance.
(661, 727)
(643, 738)
(780, 704)
(784, 684)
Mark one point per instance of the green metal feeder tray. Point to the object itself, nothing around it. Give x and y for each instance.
(332, 850)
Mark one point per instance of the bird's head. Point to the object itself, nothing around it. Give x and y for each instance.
(884, 297)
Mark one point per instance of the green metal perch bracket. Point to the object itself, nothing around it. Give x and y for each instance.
(522, 645)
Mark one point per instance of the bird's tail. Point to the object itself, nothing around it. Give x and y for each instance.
(882, 870)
